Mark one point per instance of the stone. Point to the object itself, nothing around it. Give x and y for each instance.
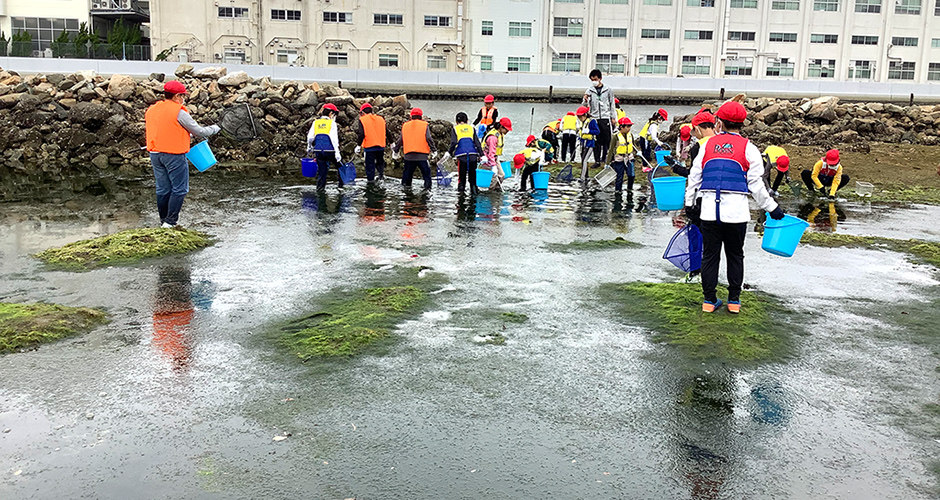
(894, 109)
(769, 114)
(157, 76)
(340, 101)
(401, 101)
(278, 110)
(213, 72)
(121, 87)
(55, 78)
(149, 96)
(307, 98)
(11, 80)
(100, 161)
(877, 107)
(9, 100)
(184, 69)
(27, 102)
(5, 89)
(90, 114)
(67, 103)
(100, 92)
(249, 89)
(234, 79)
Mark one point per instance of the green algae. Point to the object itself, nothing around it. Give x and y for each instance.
(576, 246)
(24, 326)
(513, 317)
(674, 312)
(924, 251)
(495, 339)
(907, 194)
(124, 247)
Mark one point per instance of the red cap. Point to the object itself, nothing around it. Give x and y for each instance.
(519, 159)
(616, 101)
(417, 112)
(703, 117)
(365, 106)
(662, 112)
(582, 111)
(329, 106)
(489, 98)
(732, 111)
(832, 157)
(506, 123)
(529, 139)
(783, 163)
(625, 121)
(685, 132)
(570, 113)
(174, 86)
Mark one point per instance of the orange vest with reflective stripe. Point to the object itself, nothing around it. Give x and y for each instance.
(414, 137)
(164, 132)
(373, 126)
(487, 115)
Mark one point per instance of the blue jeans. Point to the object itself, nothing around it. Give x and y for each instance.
(171, 172)
(409, 172)
(375, 162)
(623, 168)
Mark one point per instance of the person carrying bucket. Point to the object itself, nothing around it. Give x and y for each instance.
(776, 159)
(466, 150)
(416, 144)
(373, 137)
(168, 127)
(545, 146)
(726, 169)
(569, 136)
(493, 147)
(684, 143)
(589, 131)
(550, 135)
(620, 156)
(827, 172)
(323, 142)
(529, 160)
(703, 127)
(649, 134)
(488, 114)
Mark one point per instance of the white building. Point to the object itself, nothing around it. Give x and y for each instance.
(44, 20)
(511, 35)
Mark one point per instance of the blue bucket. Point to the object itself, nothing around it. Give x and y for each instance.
(782, 236)
(661, 157)
(484, 178)
(540, 180)
(670, 192)
(308, 167)
(348, 173)
(481, 131)
(201, 156)
(507, 168)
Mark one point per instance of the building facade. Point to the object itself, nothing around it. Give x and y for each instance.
(44, 20)
(828, 40)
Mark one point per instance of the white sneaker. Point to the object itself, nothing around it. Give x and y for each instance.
(167, 225)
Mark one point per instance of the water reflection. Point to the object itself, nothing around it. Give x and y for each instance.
(374, 209)
(823, 215)
(705, 423)
(172, 315)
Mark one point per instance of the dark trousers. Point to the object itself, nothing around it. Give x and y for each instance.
(826, 180)
(375, 162)
(600, 149)
(569, 142)
(324, 160)
(552, 139)
(409, 172)
(714, 235)
(171, 174)
(623, 168)
(467, 168)
(646, 148)
(527, 174)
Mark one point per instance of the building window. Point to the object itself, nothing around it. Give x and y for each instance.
(742, 66)
(653, 64)
(899, 70)
(904, 41)
(780, 67)
(520, 64)
(611, 64)
(785, 5)
(337, 17)
(43, 29)
(935, 43)
(437, 62)
(654, 33)
(285, 56)
(701, 3)
(911, 7)
(822, 68)
(233, 55)
(826, 5)
(860, 70)
(743, 4)
(864, 40)
(616, 2)
(569, 62)
(486, 63)
(569, 1)
(696, 65)
(657, 2)
(783, 37)
(698, 35)
(868, 6)
(741, 36)
(337, 58)
(521, 29)
(821, 38)
(936, 8)
(611, 32)
(486, 28)
(388, 60)
(233, 12)
(568, 26)
(285, 15)
(439, 21)
(388, 19)
(933, 71)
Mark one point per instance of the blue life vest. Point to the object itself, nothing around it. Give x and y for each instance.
(725, 165)
(465, 145)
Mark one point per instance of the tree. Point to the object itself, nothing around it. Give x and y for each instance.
(121, 35)
(86, 42)
(22, 44)
(4, 44)
(62, 45)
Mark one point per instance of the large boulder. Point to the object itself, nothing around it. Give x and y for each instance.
(184, 69)
(823, 109)
(213, 72)
(307, 98)
(234, 79)
(121, 86)
(90, 114)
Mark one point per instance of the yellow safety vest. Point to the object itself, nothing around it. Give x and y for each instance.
(774, 152)
(624, 144)
(322, 126)
(464, 131)
(527, 152)
(620, 114)
(499, 143)
(553, 126)
(569, 123)
(586, 130)
(645, 131)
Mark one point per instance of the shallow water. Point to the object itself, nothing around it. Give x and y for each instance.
(182, 394)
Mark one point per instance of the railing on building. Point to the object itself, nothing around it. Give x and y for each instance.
(103, 6)
(101, 51)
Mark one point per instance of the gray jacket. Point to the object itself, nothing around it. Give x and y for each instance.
(601, 102)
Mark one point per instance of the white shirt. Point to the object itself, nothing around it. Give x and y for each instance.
(334, 137)
(654, 133)
(734, 206)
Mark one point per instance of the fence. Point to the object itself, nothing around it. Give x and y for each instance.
(71, 51)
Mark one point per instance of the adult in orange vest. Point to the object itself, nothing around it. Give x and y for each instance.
(169, 126)
(373, 136)
(488, 114)
(416, 144)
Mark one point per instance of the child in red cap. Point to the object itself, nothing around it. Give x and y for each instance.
(826, 172)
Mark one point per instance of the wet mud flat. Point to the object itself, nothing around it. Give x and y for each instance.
(187, 392)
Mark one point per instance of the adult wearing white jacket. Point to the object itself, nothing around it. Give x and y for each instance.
(323, 142)
(726, 169)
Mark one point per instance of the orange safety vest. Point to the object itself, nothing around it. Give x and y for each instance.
(414, 137)
(373, 126)
(487, 115)
(164, 132)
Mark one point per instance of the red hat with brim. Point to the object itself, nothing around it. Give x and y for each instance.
(625, 121)
(365, 106)
(519, 159)
(582, 111)
(662, 112)
(685, 133)
(330, 106)
(732, 111)
(489, 98)
(175, 87)
(703, 117)
(506, 123)
(832, 157)
(783, 163)
(529, 139)
(417, 112)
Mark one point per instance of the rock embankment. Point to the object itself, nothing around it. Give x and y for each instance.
(83, 123)
(826, 121)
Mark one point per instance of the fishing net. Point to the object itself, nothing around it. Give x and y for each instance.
(685, 249)
(565, 175)
(348, 173)
(443, 176)
(237, 123)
